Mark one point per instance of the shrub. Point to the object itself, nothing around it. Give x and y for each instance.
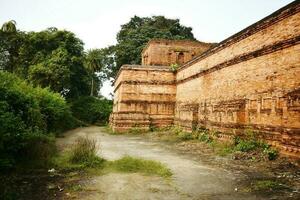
(55, 110)
(84, 152)
(91, 109)
(136, 130)
(271, 153)
(246, 146)
(185, 136)
(27, 115)
(176, 130)
(204, 136)
(174, 67)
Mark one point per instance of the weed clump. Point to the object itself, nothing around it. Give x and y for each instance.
(84, 153)
(267, 185)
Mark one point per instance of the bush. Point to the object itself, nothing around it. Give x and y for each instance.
(91, 109)
(84, 153)
(246, 146)
(27, 115)
(271, 153)
(185, 136)
(204, 136)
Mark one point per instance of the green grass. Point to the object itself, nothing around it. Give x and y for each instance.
(264, 185)
(138, 165)
(83, 152)
(82, 156)
(247, 144)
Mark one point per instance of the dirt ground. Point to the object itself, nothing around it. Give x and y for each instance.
(197, 172)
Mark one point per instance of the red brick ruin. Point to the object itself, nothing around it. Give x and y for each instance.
(250, 80)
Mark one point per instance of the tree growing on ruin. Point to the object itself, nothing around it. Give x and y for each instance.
(135, 34)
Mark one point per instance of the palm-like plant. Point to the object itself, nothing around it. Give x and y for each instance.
(93, 62)
(9, 26)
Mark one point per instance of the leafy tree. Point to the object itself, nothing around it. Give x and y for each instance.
(94, 63)
(135, 34)
(10, 42)
(54, 58)
(9, 26)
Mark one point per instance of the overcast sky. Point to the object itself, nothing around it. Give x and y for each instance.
(96, 22)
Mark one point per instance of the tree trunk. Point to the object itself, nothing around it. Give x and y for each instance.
(92, 87)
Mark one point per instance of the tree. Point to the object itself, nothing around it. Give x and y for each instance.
(94, 63)
(9, 26)
(10, 41)
(54, 58)
(135, 34)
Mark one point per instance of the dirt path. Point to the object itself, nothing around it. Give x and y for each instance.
(192, 178)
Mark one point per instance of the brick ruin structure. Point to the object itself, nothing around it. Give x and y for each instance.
(250, 80)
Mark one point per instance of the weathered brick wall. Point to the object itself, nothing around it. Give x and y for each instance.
(144, 95)
(167, 52)
(251, 80)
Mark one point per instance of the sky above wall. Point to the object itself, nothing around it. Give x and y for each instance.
(97, 22)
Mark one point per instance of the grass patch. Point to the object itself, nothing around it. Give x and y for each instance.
(82, 156)
(248, 144)
(139, 165)
(267, 185)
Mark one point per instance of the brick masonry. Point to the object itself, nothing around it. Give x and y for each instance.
(249, 81)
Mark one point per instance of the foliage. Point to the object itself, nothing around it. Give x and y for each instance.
(82, 156)
(84, 153)
(271, 153)
(204, 136)
(185, 136)
(246, 145)
(130, 164)
(91, 109)
(94, 62)
(10, 43)
(27, 115)
(50, 58)
(270, 185)
(135, 34)
(174, 67)
(9, 26)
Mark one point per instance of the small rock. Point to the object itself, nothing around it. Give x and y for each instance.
(235, 189)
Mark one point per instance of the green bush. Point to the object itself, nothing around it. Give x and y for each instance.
(27, 115)
(246, 146)
(271, 153)
(185, 136)
(205, 136)
(91, 109)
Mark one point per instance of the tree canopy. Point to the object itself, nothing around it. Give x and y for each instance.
(135, 34)
(50, 58)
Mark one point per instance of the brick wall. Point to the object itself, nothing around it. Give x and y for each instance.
(144, 95)
(249, 81)
(167, 52)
